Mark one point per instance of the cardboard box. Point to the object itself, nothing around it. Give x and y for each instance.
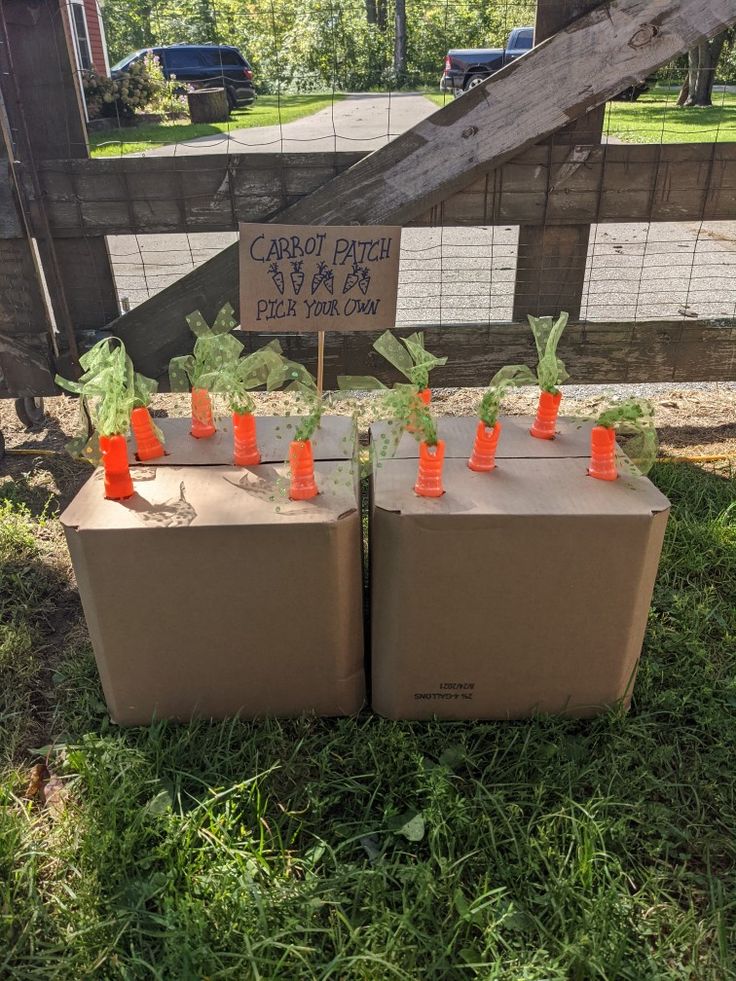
(458, 432)
(336, 439)
(520, 591)
(210, 594)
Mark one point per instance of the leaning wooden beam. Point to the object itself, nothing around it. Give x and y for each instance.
(551, 185)
(595, 353)
(565, 77)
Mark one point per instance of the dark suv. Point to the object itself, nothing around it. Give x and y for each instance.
(203, 66)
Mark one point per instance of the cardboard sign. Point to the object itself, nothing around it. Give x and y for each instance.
(318, 277)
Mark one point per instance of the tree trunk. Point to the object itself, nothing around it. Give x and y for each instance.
(208, 106)
(702, 63)
(400, 42)
(371, 13)
(381, 17)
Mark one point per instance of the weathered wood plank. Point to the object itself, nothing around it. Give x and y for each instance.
(550, 271)
(26, 366)
(484, 129)
(43, 99)
(595, 353)
(213, 192)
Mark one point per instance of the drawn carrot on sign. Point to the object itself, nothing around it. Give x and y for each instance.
(631, 417)
(351, 279)
(109, 389)
(488, 430)
(323, 277)
(297, 276)
(214, 349)
(277, 276)
(360, 277)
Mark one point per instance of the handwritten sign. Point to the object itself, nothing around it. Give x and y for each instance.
(318, 277)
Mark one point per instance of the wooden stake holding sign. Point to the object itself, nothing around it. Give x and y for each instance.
(317, 278)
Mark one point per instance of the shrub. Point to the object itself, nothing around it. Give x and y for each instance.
(142, 87)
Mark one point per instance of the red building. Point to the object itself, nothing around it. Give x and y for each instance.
(88, 34)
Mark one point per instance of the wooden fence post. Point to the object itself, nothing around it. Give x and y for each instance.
(40, 85)
(26, 352)
(550, 266)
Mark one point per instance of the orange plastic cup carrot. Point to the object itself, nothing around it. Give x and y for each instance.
(429, 475)
(303, 486)
(148, 445)
(545, 424)
(203, 425)
(118, 483)
(603, 453)
(483, 457)
(245, 440)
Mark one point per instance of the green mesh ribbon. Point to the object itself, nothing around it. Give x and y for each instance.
(215, 350)
(551, 370)
(412, 360)
(109, 389)
(509, 377)
(312, 403)
(237, 378)
(403, 411)
(634, 418)
(547, 333)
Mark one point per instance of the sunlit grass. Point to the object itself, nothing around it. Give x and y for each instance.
(267, 110)
(367, 849)
(655, 118)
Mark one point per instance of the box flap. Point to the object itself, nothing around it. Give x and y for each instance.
(517, 487)
(458, 432)
(335, 439)
(180, 497)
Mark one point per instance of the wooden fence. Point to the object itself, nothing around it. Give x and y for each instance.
(57, 206)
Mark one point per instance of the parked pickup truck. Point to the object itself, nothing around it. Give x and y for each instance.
(465, 68)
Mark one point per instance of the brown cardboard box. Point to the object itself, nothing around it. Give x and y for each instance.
(210, 594)
(336, 439)
(520, 591)
(458, 432)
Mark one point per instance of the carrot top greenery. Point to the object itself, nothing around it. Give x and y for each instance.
(633, 418)
(409, 356)
(551, 372)
(109, 389)
(237, 378)
(215, 349)
(502, 381)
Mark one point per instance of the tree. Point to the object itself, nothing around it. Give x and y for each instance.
(697, 89)
(400, 41)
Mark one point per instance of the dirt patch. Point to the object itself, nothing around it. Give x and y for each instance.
(691, 422)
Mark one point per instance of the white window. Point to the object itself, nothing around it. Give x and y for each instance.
(80, 34)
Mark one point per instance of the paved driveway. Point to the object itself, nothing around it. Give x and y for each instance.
(363, 121)
(463, 274)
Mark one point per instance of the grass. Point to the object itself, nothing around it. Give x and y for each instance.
(367, 849)
(268, 110)
(654, 118)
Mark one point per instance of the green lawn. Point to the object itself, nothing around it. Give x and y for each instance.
(654, 118)
(268, 110)
(368, 849)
